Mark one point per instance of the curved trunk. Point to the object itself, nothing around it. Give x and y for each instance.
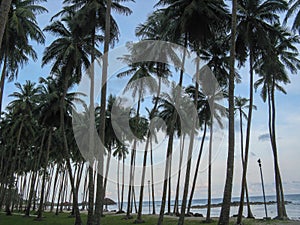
(197, 168)
(225, 210)
(250, 214)
(272, 122)
(247, 146)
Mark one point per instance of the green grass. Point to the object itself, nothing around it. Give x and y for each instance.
(63, 219)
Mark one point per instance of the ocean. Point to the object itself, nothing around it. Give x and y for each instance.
(258, 210)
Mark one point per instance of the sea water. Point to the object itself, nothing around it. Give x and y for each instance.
(258, 210)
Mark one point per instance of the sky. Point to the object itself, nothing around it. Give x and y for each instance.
(288, 123)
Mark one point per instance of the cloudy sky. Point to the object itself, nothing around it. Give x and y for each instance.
(288, 124)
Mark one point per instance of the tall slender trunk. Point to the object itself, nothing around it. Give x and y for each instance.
(281, 211)
(247, 146)
(208, 219)
(40, 211)
(4, 10)
(118, 184)
(139, 216)
(197, 167)
(225, 210)
(123, 184)
(62, 178)
(2, 80)
(191, 145)
(152, 178)
(91, 134)
(67, 154)
(250, 215)
(128, 216)
(99, 196)
(54, 189)
(176, 204)
(163, 200)
(107, 171)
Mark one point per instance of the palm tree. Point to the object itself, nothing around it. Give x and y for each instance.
(16, 50)
(70, 55)
(225, 210)
(294, 8)
(171, 106)
(4, 9)
(140, 82)
(272, 72)
(22, 106)
(240, 105)
(255, 21)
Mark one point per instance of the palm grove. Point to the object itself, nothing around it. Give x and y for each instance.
(38, 148)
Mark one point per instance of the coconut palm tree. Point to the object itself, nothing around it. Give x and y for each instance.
(22, 107)
(272, 70)
(255, 21)
(139, 84)
(21, 27)
(225, 210)
(69, 55)
(241, 104)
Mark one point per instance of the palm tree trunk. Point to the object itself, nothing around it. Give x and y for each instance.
(139, 216)
(54, 189)
(281, 211)
(152, 178)
(107, 171)
(67, 154)
(62, 178)
(176, 203)
(191, 146)
(4, 10)
(123, 184)
(118, 184)
(247, 146)
(91, 196)
(131, 174)
(163, 200)
(197, 167)
(99, 196)
(225, 210)
(40, 211)
(250, 215)
(2, 80)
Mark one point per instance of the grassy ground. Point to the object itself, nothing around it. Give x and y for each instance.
(63, 219)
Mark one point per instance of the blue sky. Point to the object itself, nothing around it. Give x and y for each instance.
(288, 118)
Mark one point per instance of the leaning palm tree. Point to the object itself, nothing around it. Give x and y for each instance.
(255, 21)
(240, 105)
(21, 27)
(282, 54)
